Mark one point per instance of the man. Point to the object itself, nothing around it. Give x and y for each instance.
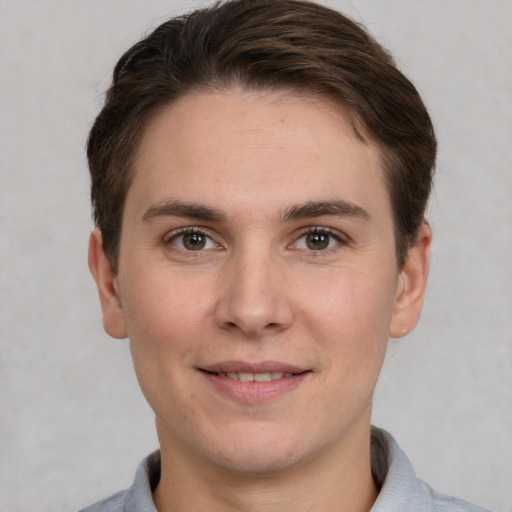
(260, 173)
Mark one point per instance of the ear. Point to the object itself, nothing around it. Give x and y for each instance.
(412, 283)
(113, 318)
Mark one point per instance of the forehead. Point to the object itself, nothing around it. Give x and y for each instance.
(252, 147)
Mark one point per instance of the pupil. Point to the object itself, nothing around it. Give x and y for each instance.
(317, 241)
(194, 241)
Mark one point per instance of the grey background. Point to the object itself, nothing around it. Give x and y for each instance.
(73, 424)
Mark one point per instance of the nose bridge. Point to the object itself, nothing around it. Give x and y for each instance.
(254, 296)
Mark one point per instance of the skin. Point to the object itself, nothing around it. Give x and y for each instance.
(222, 258)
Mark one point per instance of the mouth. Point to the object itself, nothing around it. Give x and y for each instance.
(254, 382)
(253, 377)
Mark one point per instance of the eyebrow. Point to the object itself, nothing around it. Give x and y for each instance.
(175, 208)
(318, 208)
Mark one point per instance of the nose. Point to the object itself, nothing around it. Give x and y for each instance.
(254, 299)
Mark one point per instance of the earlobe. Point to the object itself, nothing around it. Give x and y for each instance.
(101, 270)
(411, 285)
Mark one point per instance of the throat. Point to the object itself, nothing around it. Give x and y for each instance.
(335, 482)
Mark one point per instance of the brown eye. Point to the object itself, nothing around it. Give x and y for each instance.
(194, 241)
(317, 241)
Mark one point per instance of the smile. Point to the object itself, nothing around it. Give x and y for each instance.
(255, 377)
(254, 383)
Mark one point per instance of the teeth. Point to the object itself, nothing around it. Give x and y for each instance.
(255, 377)
(262, 377)
(245, 377)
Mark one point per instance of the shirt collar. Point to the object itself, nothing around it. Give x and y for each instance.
(400, 490)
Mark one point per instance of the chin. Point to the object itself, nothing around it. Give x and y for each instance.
(258, 451)
(257, 462)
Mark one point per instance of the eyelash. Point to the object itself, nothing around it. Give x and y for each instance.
(339, 238)
(175, 235)
(312, 230)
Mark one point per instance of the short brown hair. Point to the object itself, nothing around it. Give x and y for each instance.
(261, 44)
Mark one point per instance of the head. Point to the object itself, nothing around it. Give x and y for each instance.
(265, 45)
(260, 174)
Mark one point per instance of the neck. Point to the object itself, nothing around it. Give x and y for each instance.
(340, 480)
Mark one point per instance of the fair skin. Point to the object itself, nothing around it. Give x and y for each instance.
(257, 244)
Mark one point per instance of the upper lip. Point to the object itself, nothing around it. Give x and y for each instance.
(234, 366)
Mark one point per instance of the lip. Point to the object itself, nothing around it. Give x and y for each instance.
(253, 367)
(254, 392)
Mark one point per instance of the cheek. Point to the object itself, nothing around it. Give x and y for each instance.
(350, 321)
(161, 317)
(164, 331)
(351, 305)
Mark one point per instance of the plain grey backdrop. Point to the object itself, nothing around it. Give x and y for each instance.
(73, 423)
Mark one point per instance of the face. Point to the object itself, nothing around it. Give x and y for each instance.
(257, 278)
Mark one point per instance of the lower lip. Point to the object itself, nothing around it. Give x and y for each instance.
(255, 392)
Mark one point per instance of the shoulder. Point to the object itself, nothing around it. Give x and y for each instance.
(138, 497)
(114, 503)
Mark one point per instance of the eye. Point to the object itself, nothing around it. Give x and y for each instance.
(318, 239)
(192, 240)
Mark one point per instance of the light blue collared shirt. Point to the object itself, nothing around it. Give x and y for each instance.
(400, 490)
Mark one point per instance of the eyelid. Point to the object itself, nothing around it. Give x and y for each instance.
(175, 233)
(339, 236)
(185, 230)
